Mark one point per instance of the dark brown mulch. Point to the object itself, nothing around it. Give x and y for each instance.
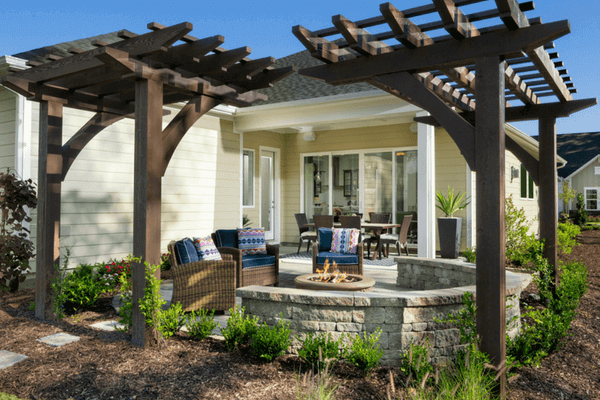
(105, 365)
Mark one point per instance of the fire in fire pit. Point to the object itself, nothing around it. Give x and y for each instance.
(331, 277)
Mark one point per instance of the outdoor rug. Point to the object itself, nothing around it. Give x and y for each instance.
(307, 257)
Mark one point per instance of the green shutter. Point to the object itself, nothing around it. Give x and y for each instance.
(523, 182)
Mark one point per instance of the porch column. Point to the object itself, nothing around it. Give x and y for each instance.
(48, 210)
(147, 192)
(426, 188)
(490, 189)
(548, 190)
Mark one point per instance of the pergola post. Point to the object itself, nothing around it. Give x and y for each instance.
(147, 193)
(426, 184)
(548, 191)
(48, 211)
(490, 159)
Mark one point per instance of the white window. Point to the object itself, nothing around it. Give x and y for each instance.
(591, 198)
(248, 178)
(596, 170)
(527, 191)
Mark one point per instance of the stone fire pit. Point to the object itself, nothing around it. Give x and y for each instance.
(359, 283)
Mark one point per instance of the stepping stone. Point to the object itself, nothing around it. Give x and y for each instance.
(8, 358)
(58, 339)
(109, 326)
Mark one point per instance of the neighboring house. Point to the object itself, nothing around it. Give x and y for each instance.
(582, 152)
(310, 148)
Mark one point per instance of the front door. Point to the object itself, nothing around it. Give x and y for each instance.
(268, 211)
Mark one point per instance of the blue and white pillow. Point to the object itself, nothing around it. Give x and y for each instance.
(345, 240)
(185, 252)
(252, 241)
(206, 249)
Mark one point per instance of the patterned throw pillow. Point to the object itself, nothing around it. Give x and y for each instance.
(252, 241)
(345, 240)
(206, 249)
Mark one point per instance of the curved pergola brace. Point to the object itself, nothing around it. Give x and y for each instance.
(73, 147)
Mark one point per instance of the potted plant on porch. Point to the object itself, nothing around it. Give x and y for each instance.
(449, 227)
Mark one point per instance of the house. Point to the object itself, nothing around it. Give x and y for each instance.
(582, 172)
(310, 148)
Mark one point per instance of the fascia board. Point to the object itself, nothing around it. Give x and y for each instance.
(530, 145)
(342, 108)
(587, 164)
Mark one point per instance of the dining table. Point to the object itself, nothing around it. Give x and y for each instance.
(376, 228)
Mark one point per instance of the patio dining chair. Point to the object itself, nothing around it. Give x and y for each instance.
(354, 221)
(401, 239)
(306, 235)
(383, 218)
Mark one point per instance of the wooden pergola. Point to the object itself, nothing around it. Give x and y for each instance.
(132, 78)
(467, 80)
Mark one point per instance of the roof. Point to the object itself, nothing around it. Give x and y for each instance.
(62, 49)
(298, 87)
(577, 148)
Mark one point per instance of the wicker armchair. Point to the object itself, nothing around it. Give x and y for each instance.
(208, 285)
(246, 274)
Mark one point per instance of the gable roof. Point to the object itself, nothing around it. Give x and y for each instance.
(577, 148)
(62, 49)
(298, 87)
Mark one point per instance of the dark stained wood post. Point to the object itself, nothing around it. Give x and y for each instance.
(147, 192)
(548, 191)
(490, 159)
(50, 162)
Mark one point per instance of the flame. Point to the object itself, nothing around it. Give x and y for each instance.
(334, 277)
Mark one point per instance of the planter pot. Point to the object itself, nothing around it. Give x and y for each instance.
(449, 230)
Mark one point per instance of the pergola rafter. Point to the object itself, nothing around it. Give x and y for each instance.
(462, 79)
(131, 78)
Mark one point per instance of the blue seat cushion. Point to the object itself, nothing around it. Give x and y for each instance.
(226, 238)
(257, 260)
(339, 258)
(185, 251)
(325, 238)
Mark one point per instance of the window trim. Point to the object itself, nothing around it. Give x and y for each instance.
(252, 181)
(597, 190)
(529, 185)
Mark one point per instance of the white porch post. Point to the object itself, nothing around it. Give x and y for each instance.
(426, 188)
(23, 141)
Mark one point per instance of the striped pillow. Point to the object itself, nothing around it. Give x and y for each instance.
(252, 241)
(345, 240)
(206, 249)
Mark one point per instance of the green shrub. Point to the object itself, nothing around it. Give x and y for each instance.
(365, 353)
(464, 319)
(239, 330)
(81, 288)
(271, 342)
(567, 232)
(581, 216)
(200, 324)
(319, 350)
(6, 396)
(517, 229)
(171, 320)
(470, 255)
(415, 363)
(165, 261)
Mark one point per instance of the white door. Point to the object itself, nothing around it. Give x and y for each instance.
(268, 211)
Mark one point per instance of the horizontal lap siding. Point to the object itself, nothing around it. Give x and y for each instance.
(585, 178)
(530, 206)
(7, 129)
(97, 195)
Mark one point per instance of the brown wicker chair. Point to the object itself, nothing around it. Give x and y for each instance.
(400, 240)
(263, 275)
(305, 234)
(208, 285)
(318, 262)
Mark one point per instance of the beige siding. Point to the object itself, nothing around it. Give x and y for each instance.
(530, 206)
(97, 194)
(586, 178)
(7, 129)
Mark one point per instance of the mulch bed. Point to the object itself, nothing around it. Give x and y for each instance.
(104, 365)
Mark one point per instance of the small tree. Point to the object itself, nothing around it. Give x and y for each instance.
(581, 216)
(16, 196)
(566, 195)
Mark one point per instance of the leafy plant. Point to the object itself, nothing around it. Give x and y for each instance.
(319, 350)
(365, 353)
(271, 342)
(57, 286)
(415, 363)
(200, 324)
(517, 230)
(581, 215)
(239, 329)
(171, 320)
(165, 261)
(567, 232)
(17, 196)
(464, 319)
(80, 288)
(566, 195)
(451, 203)
(246, 221)
(470, 254)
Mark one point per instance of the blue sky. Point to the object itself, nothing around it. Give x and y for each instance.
(265, 26)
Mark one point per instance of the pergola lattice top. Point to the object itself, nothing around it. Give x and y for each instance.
(530, 74)
(103, 79)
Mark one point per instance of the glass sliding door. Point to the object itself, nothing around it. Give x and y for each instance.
(316, 186)
(406, 190)
(345, 184)
(379, 183)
